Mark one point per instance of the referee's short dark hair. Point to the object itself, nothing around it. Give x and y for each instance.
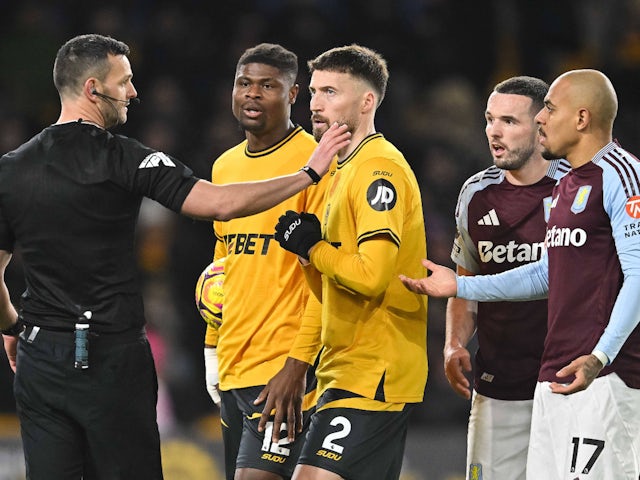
(82, 57)
(361, 62)
(274, 55)
(531, 87)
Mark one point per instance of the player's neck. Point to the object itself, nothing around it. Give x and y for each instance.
(257, 142)
(362, 132)
(584, 151)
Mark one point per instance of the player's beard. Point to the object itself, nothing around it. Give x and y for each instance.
(319, 132)
(515, 159)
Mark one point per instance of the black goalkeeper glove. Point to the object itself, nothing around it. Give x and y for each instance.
(298, 232)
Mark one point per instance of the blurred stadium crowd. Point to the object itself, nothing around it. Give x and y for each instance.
(444, 57)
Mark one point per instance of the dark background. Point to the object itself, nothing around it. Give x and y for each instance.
(444, 57)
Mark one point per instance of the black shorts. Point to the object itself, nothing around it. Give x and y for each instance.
(244, 446)
(356, 444)
(98, 423)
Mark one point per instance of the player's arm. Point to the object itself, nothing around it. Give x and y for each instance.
(527, 282)
(211, 334)
(367, 272)
(8, 315)
(313, 278)
(285, 392)
(624, 318)
(212, 378)
(315, 204)
(460, 328)
(207, 201)
(211, 337)
(625, 315)
(461, 314)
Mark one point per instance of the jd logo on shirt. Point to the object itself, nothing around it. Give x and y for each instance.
(381, 195)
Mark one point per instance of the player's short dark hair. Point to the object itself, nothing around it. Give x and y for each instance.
(359, 61)
(274, 55)
(82, 57)
(531, 87)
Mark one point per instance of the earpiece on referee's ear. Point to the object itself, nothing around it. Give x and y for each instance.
(93, 91)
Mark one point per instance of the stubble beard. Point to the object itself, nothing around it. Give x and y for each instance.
(318, 133)
(515, 159)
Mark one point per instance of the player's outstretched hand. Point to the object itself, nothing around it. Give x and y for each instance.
(441, 282)
(457, 360)
(298, 232)
(284, 394)
(585, 368)
(333, 140)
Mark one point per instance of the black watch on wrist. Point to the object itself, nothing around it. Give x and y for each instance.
(14, 330)
(315, 178)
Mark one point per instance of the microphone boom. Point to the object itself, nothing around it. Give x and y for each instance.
(134, 100)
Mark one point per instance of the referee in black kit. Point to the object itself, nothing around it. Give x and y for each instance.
(85, 382)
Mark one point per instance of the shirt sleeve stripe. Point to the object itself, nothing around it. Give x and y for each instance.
(367, 235)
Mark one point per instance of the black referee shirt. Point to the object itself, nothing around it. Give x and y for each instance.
(69, 198)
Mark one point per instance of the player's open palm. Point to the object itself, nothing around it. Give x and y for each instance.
(440, 283)
(457, 361)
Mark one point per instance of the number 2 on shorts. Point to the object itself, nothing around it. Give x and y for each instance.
(329, 443)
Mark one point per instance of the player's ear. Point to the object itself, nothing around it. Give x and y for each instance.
(369, 102)
(583, 118)
(293, 93)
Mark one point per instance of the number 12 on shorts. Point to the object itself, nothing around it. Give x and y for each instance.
(275, 447)
(591, 442)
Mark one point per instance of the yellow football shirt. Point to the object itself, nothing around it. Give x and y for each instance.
(374, 346)
(265, 290)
